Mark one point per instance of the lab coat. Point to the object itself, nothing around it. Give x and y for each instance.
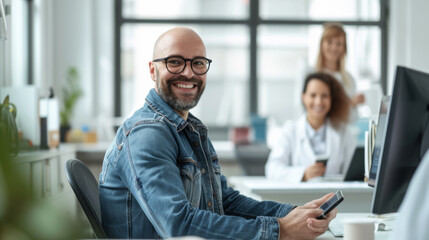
(292, 153)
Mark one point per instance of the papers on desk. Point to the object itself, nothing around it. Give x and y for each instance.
(369, 146)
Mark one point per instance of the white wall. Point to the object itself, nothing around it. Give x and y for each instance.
(77, 33)
(67, 33)
(44, 63)
(73, 46)
(408, 36)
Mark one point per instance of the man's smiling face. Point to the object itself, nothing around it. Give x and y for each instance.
(181, 91)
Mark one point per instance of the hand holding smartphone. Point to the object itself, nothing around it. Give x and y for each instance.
(331, 203)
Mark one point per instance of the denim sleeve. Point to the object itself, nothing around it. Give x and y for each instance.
(152, 176)
(236, 204)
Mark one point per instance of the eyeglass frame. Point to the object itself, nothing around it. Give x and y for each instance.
(165, 59)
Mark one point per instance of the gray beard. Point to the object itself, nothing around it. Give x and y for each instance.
(173, 101)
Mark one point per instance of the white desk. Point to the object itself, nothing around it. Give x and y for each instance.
(357, 195)
(378, 236)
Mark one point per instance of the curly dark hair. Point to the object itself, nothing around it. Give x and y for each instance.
(340, 102)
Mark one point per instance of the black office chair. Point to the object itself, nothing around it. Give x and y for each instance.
(85, 188)
(252, 158)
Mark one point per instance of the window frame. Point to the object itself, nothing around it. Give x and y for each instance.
(252, 22)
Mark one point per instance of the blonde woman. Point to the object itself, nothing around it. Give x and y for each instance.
(321, 131)
(332, 59)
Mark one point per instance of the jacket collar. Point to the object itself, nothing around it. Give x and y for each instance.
(157, 104)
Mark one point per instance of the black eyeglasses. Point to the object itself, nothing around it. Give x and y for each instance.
(177, 64)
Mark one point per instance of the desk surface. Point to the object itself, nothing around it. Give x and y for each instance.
(261, 185)
(357, 195)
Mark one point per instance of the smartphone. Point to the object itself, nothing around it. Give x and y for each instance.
(331, 203)
(322, 159)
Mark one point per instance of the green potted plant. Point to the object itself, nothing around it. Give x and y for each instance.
(8, 128)
(71, 93)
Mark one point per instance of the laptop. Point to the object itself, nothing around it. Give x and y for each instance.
(356, 170)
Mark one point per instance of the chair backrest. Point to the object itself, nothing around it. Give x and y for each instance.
(86, 190)
(252, 158)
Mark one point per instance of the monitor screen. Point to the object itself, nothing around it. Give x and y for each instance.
(406, 139)
(379, 139)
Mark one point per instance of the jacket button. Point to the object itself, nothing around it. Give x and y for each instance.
(195, 144)
(203, 170)
(209, 204)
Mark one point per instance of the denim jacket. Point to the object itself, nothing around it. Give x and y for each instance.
(161, 178)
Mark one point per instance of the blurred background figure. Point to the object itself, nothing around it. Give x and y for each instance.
(320, 133)
(332, 60)
(413, 217)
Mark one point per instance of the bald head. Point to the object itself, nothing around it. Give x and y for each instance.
(178, 41)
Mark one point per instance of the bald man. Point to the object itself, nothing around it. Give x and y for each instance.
(161, 176)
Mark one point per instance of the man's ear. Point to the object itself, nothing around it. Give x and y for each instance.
(152, 71)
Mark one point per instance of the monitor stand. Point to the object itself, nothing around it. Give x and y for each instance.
(384, 222)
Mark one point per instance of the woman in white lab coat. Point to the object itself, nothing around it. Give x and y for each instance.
(321, 132)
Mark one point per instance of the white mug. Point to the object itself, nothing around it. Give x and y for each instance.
(359, 228)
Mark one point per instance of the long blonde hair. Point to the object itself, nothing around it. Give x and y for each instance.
(332, 30)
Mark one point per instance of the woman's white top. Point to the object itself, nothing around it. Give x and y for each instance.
(317, 138)
(292, 152)
(350, 88)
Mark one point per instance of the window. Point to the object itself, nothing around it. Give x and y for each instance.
(350, 10)
(274, 43)
(287, 53)
(189, 9)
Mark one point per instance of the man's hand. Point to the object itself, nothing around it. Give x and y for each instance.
(315, 170)
(301, 222)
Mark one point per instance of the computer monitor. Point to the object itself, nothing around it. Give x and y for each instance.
(406, 141)
(380, 135)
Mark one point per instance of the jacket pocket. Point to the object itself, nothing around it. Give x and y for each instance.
(191, 179)
(217, 171)
(106, 164)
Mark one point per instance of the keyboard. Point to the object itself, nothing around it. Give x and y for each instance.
(336, 227)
